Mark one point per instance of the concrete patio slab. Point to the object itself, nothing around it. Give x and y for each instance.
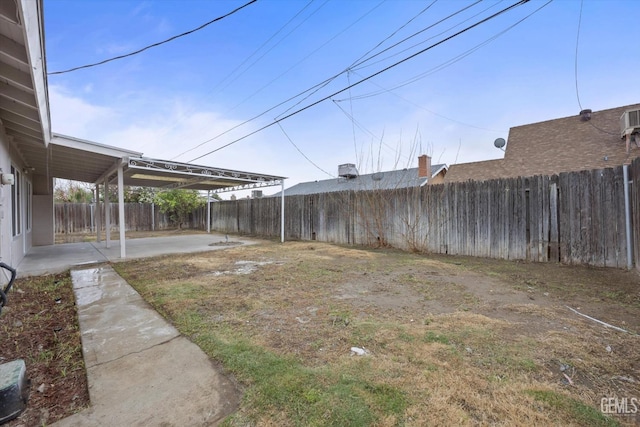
(58, 258)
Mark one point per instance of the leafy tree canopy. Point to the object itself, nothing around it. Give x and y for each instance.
(179, 203)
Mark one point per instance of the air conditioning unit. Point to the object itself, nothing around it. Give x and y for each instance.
(347, 170)
(256, 194)
(629, 122)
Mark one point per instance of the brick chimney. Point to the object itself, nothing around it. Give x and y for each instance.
(424, 166)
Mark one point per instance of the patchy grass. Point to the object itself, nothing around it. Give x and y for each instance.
(583, 414)
(448, 342)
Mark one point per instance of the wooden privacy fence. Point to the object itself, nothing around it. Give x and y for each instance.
(81, 218)
(575, 218)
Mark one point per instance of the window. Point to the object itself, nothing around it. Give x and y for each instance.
(28, 194)
(16, 205)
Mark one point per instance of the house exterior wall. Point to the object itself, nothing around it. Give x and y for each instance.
(43, 214)
(5, 207)
(43, 221)
(438, 179)
(13, 247)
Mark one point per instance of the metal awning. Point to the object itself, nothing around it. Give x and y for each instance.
(80, 160)
(145, 172)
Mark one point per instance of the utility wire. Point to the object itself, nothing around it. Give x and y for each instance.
(313, 104)
(312, 91)
(311, 53)
(233, 73)
(238, 75)
(319, 85)
(440, 68)
(358, 64)
(155, 44)
(300, 151)
(363, 58)
(360, 126)
(395, 32)
(575, 64)
(576, 73)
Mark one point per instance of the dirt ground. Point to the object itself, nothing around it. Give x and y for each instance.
(474, 336)
(40, 326)
(507, 327)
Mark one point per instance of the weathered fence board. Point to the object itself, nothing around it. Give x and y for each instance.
(572, 217)
(576, 217)
(81, 218)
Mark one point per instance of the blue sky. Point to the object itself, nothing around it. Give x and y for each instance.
(172, 101)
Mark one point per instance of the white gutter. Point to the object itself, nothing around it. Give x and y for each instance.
(33, 21)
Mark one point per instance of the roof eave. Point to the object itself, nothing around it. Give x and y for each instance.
(33, 24)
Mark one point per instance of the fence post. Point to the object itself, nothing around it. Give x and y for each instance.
(627, 213)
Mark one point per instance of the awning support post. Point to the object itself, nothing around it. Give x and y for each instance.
(208, 211)
(107, 213)
(121, 219)
(98, 214)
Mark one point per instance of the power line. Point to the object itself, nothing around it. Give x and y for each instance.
(319, 85)
(238, 75)
(313, 104)
(362, 59)
(155, 44)
(233, 72)
(396, 32)
(439, 68)
(575, 64)
(575, 69)
(300, 151)
(360, 126)
(314, 89)
(308, 55)
(358, 64)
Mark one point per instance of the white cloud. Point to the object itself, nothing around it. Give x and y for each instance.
(74, 116)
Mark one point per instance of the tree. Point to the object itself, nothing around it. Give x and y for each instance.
(139, 194)
(178, 204)
(72, 192)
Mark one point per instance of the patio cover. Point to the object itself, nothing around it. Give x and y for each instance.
(86, 161)
(124, 167)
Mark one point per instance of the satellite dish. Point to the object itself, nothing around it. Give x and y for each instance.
(499, 143)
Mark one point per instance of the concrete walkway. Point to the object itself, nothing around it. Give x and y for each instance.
(140, 370)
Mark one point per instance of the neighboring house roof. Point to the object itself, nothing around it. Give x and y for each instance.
(389, 180)
(560, 145)
(476, 171)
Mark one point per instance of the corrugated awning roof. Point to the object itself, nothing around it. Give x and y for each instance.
(145, 172)
(81, 160)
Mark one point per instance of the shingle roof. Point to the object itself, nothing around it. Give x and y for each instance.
(554, 146)
(477, 171)
(375, 181)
